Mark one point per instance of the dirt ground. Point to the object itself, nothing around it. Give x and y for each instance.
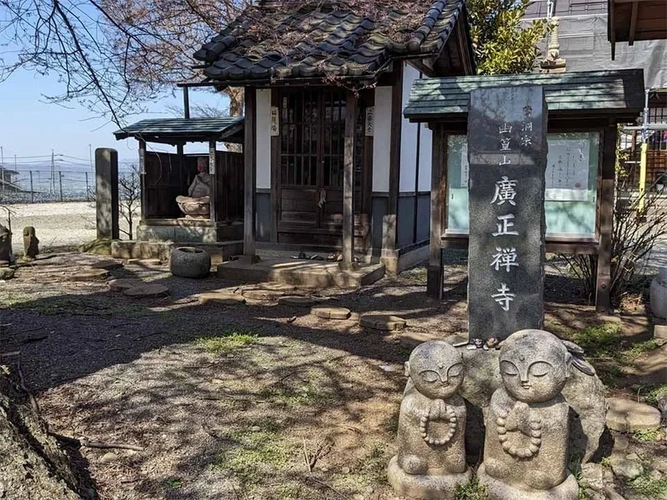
(255, 401)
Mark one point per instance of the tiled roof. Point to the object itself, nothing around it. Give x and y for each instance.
(169, 130)
(619, 92)
(329, 39)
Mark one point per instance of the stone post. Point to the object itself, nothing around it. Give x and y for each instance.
(507, 145)
(106, 197)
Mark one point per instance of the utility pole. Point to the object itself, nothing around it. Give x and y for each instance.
(52, 187)
(2, 166)
(90, 156)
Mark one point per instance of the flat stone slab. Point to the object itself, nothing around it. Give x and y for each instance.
(108, 265)
(331, 312)
(89, 275)
(122, 284)
(270, 295)
(4, 263)
(625, 415)
(221, 298)
(382, 322)
(298, 301)
(277, 287)
(149, 290)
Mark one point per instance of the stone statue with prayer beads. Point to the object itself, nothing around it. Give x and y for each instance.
(526, 444)
(431, 461)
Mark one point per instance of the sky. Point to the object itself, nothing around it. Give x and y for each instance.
(31, 127)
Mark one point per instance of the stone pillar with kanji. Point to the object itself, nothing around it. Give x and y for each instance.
(507, 148)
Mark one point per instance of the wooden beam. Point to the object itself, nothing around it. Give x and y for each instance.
(435, 273)
(389, 225)
(603, 274)
(142, 175)
(213, 171)
(250, 174)
(633, 23)
(351, 108)
(275, 173)
(186, 103)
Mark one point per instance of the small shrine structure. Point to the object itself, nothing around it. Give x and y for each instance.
(166, 176)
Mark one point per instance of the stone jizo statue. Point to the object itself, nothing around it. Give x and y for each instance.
(30, 243)
(526, 444)
(431, 451)
(198, 203)
(5, 245)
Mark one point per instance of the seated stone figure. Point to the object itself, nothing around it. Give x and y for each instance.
(431, 451)
(30, 243)
(197, 204)
(526, 444)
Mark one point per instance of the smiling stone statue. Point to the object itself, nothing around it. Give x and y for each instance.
(525, 450)
(431, 454)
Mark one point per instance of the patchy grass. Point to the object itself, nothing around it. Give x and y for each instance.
(638, 349)
(370, 470)
(472, 490)
(652, 395)
(649, 486)
(293, 397)
(173, 483)
(256, 453)
(644, 436)
(226, 341)
(599, 341)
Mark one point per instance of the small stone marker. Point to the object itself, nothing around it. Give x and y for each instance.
(382, 322)
(338, 313)
(298, 301)
(148, 291)
(221, 298)
(108, 265)
(507, 157)
(90, 275)
(625, 415)
(122, 284)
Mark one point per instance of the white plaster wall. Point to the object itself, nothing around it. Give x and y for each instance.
(263, 146)
(425, 155)
(381, 139)
(408, 136)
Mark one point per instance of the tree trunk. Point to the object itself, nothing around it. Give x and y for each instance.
(32, 463)
(236, 102)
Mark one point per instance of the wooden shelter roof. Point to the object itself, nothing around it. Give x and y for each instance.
(633, 20)
(314, 39)
(617, 94)
(181, 130)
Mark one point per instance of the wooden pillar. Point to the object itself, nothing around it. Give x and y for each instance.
(186, 103)
(213, 171)
(389, 226)
(142, 174)
(435, 273)
(250, 175)
(603, 274)
(351, 107)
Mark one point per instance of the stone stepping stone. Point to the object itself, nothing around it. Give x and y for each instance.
(4, 263)
(338, 313)
(277, 287)
(221, 298)
(89, 275)
(108, 265)
(625, 415)
(122, 284)
(298, 301)
(382, 322)
(270, 295)
(147, 291)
